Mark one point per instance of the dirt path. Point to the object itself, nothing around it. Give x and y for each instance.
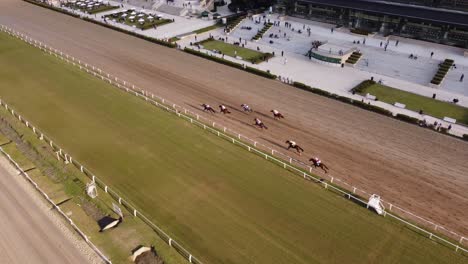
(30, 232)
(420, 170)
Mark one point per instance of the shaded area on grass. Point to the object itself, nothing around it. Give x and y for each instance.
(206, 29)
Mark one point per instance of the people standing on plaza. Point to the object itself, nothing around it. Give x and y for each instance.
(381, 43)
(462, 77)
(282, 53)
(397, 42)
(432, 54)
(332, 29)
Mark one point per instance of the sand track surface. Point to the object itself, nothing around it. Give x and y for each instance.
(415, 168)
(31, 232)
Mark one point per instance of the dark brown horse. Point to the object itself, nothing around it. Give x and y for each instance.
(208, 108)
(223, 109)
(318, 163)
(292, 144)
(277, 115)
(260, 124)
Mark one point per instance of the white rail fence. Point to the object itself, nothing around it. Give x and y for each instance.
(70, 221)
(291, 164)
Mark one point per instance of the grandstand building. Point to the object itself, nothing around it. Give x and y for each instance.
(441, 21)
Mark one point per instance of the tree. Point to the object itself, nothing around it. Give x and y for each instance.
(244, 5)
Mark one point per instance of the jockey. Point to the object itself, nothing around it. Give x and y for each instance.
(275, 112)
(258, 122)
(292, 143)
(222, 107)
(246, 107)
(317, 161)
(206, 106)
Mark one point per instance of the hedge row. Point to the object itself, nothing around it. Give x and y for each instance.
(344, 99)
(442, 71)
(262, 31)
(230, 63)
(153, 40)
(408, 119)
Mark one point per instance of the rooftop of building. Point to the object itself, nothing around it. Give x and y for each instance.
(410, 11)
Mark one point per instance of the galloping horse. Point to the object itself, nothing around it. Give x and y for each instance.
(223, 109)
(260, 124)
(207, 107)
(293, 145)
(318, 163)
(246, 108)
(276, 114)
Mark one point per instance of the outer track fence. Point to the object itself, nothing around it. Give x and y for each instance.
(83, 235)
(289, 163)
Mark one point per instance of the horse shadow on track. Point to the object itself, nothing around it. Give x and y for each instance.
(196, 107)
(274, 143)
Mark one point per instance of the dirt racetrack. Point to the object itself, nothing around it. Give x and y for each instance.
(30, 231)
(415, 168)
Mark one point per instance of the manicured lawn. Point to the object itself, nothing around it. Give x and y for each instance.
(206, 29)
(230, 50)
(417, 102)
(223, 203)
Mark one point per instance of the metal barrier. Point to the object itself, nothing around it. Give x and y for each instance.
(292, 164)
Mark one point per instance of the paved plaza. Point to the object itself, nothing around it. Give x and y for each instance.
(181, 25)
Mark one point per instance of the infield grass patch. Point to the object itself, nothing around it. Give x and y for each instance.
(234, 50)
(223, 204)
(417, 102)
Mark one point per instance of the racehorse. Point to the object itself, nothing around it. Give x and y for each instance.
(223, 109)
(246, 108)
(276, 115)
(318, 163)
(207, 107)
(293, 145)
(260, 124)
